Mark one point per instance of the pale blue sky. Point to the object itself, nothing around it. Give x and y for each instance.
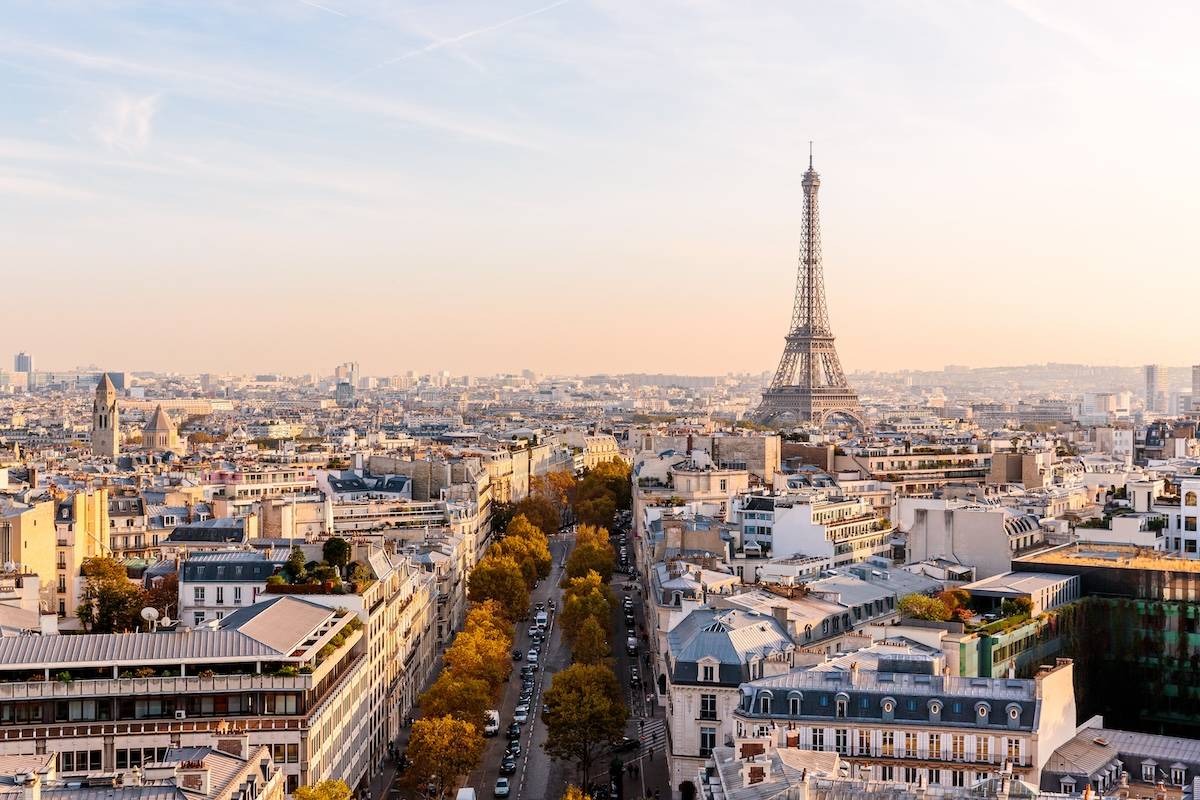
(591, 185)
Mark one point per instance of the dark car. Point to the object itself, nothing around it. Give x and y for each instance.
(508, 765)
(514, 730)
(517, 655)
(626, 744)
(514, 750)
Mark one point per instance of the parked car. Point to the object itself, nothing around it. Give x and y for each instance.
(521, 714)
(491, 722)
(517, 655)
(514, 730)
(502, 788)
(514, 749)
(532, 655)
(508, 765)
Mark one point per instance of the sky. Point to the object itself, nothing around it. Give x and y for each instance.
(590, 186)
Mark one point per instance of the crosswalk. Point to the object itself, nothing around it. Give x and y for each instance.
(652, 733)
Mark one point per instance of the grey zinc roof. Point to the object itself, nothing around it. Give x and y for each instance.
(1163, 749)
(728, 635)
(118, 649)
(905, 683)
(281, 623)
(1082, 755)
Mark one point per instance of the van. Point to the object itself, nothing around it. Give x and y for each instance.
(491, 723)
(631, 646)
(541, 619)
(465, 794)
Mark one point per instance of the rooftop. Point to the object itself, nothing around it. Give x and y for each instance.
(1115, 556)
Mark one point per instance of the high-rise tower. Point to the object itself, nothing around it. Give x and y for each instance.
(106, 427)
(809, 385)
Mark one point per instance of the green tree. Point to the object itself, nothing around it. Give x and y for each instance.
(336, 552)
(585, 715)
(591, 643)
(499, 578)
(334, 789)
(110, 603)
(920, 606)
(294, 566)
(443, 750)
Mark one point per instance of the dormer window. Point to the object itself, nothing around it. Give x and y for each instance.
(168, 519)
(708, 673)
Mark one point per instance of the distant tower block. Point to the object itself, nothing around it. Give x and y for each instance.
(809, 386)
(106, 425)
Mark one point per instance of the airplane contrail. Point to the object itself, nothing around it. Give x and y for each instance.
(438, 44)
(323, 8)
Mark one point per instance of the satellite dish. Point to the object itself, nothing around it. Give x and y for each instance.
(149, 614)
(166, 621)
(10, 566)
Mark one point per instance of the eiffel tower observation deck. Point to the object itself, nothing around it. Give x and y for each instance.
(809, 386)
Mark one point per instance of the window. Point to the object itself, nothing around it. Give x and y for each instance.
(886, 773)
(220, 595)
(1189, 499)
(199, 617)
(708, 740)
(983, 746)
(818, 739)
(887, 743)
(980, 776)
(707, 674)
(864, 743)
(935, 745)
(793, 706)
(708, 706)
(935, 777)
(840, 711)
(957, 748)
(237, 595)
(840, 737)
(957, 778)
(198, 594)
(910, 774)
(280, 704)
(723, 483)
(62, 584)
(910, 743)
(1148, 772)
(1189, 523)
(764, 704)
(1013, 750)
(1177, 775)
(824, 701)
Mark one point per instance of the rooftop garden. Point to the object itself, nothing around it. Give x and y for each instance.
(335, 573)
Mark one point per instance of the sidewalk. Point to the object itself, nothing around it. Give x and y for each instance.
(382, 783)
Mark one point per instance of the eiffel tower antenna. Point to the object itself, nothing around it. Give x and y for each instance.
(809, 386)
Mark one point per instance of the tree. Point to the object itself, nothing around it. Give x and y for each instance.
(294, 566)
(456, 695)
(584, 598)
(541, 511)
(599, 509)
(200, 437)
(475, 654)
(164, 595)
(488, 618)
(325, 790)
(591, 557)
(499, 578)
(573, 792)
(586, 714)
(336, 552)
(560, 486)
(531, 554)
(920, 606)
(591, 643)
(111, 602)
(442, 750)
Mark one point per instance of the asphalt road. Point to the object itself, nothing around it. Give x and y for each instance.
(537, 776)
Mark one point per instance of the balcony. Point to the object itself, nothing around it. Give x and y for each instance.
(129, 687)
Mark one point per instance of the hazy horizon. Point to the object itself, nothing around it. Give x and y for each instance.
(593, 187)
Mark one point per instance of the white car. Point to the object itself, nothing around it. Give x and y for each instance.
(532, 656)
(521, 714)
(502, 787)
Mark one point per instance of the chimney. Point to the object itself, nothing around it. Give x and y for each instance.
(780, 613)
(31, 785)
(1123, 790)
(33, 484)
(193, 776)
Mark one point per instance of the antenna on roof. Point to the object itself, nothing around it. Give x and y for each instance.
(810, 154)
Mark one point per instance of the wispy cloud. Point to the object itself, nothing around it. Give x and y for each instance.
(127, 123)
(323, 8)
(36, 186)
(438, 44)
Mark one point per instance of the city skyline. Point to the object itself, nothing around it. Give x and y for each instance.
(273, 186)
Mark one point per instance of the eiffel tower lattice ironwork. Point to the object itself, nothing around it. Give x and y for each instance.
(809, 385)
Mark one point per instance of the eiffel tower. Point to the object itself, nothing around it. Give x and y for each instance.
(809, 385)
